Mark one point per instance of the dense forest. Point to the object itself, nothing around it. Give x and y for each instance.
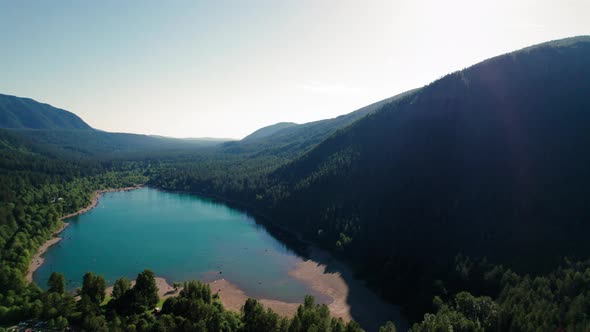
(465, 201)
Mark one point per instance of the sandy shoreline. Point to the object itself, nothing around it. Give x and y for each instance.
(37, 259)
(309, 272)
(330, 284)
(233, 298)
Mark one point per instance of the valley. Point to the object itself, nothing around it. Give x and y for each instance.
(469, 192)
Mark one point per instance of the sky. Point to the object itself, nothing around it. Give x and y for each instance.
(226, 68)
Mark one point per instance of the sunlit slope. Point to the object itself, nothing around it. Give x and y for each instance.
(290, 139)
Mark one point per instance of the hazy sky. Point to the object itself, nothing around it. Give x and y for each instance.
(226, 68)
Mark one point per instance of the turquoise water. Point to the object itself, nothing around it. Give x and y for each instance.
(178, 236)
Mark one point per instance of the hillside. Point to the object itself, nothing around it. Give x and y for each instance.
(76, 144)
(292, 140)
(488, 162)
(268, 131)
(25, 113)
(43, 129)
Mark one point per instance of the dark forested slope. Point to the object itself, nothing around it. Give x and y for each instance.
(490, 161)
(493, 157)
(21, 113)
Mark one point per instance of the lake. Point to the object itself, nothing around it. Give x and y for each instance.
(179, 237)
(184, 237)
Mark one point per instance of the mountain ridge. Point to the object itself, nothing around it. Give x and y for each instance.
(293, 140)
(26, 113)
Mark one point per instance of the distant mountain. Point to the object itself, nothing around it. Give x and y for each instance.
(207, 139)
(289, 139)
(268, 130)
(25, 113)
(490, 161)
(41, 128)
(75, 144)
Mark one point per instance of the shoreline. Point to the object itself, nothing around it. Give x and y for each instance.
(332, 284)
(37, 260)
(233, 298)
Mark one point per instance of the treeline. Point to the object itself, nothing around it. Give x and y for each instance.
(558, 301)
(195, 308)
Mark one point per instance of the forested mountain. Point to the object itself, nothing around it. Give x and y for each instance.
(481, 152)
(21, 113)
(290, 140)
(61, 134)
(487, 162)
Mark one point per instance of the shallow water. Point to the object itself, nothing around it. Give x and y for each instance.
(179, 237)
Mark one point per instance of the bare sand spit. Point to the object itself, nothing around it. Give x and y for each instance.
(309, 272)
(37, 259)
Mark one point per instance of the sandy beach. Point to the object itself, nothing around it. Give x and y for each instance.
(342, 290)
(310, 272)
(232, 297)
(37, 259)
(330, 284)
